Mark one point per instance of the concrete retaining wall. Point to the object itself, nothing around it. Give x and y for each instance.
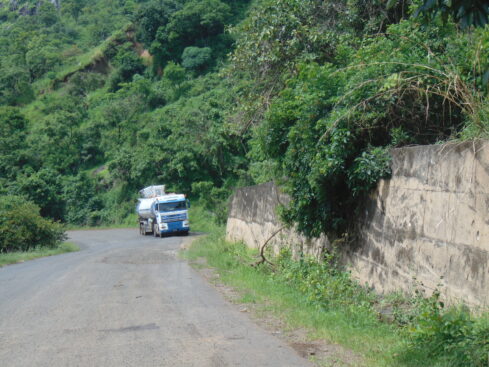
(253, 219)
(428, 224)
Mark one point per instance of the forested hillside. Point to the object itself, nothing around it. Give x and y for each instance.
(102, 97)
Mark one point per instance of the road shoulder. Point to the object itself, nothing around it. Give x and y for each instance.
(317, 351)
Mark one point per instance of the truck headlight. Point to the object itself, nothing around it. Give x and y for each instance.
(163, 226)
(186, 223)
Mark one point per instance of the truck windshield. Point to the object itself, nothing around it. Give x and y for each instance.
(168, 207)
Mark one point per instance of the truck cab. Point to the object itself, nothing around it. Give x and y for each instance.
(171, 214)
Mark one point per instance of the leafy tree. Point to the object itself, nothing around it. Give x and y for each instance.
(119, 120)
(43, 188)
(153, 15)
(81, 199)
(213, 199)
(99, 20)
(41, 57)
(13, 132)
(128, 64)
(196, 58)
(278, 35)
(81, 84)
(15, 88)
(174, 73)
(198, 23)
(59, 140)
(73, 8)
(466, 12)
(46, 13)
(199, 146)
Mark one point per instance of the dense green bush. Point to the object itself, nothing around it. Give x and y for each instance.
(327, 285)
(196, 58)
(213, 199)
(330, 128)
(449, 337)
(22, 228)
(453, 336)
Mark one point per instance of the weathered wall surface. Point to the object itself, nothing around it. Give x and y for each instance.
(253, 220)
(428, 224)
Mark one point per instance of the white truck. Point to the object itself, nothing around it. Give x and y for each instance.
(161, 213)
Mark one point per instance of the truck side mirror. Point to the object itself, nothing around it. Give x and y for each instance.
(188, 203)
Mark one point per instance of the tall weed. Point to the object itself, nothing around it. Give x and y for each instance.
(327, 285)
(448, 337)
(451, 336)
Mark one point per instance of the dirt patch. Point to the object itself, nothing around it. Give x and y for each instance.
(99, 169)
(320, 352)
(187, 241)
(324, 354)
(146, 55)
(136, 257)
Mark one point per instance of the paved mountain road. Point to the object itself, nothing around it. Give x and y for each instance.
(125, 300)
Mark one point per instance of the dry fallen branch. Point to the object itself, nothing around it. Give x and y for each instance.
(263, 259)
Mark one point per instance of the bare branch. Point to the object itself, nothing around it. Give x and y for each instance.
(263, 259)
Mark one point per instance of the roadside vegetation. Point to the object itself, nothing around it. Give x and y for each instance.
(26, 235)
(23, 228)
(130, 221)
(16, 257)
(395, 330)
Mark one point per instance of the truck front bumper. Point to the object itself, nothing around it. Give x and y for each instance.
(172, 227)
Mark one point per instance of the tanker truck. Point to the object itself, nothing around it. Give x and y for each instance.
(161, 213)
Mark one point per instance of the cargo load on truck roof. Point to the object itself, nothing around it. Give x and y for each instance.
(152, 191)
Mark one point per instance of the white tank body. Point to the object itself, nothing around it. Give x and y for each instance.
(144, 208)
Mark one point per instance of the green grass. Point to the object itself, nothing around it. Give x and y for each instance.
(17, 257)
(124, 224)
(88, 58)
(130, 221)
(201, 220)
(379, 343)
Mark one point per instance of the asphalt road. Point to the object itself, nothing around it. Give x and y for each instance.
(125, 300)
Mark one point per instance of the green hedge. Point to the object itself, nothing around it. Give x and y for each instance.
(22, 227)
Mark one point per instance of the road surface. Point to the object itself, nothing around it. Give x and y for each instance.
(125, 300)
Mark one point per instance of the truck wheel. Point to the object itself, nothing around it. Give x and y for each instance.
(155, 230)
